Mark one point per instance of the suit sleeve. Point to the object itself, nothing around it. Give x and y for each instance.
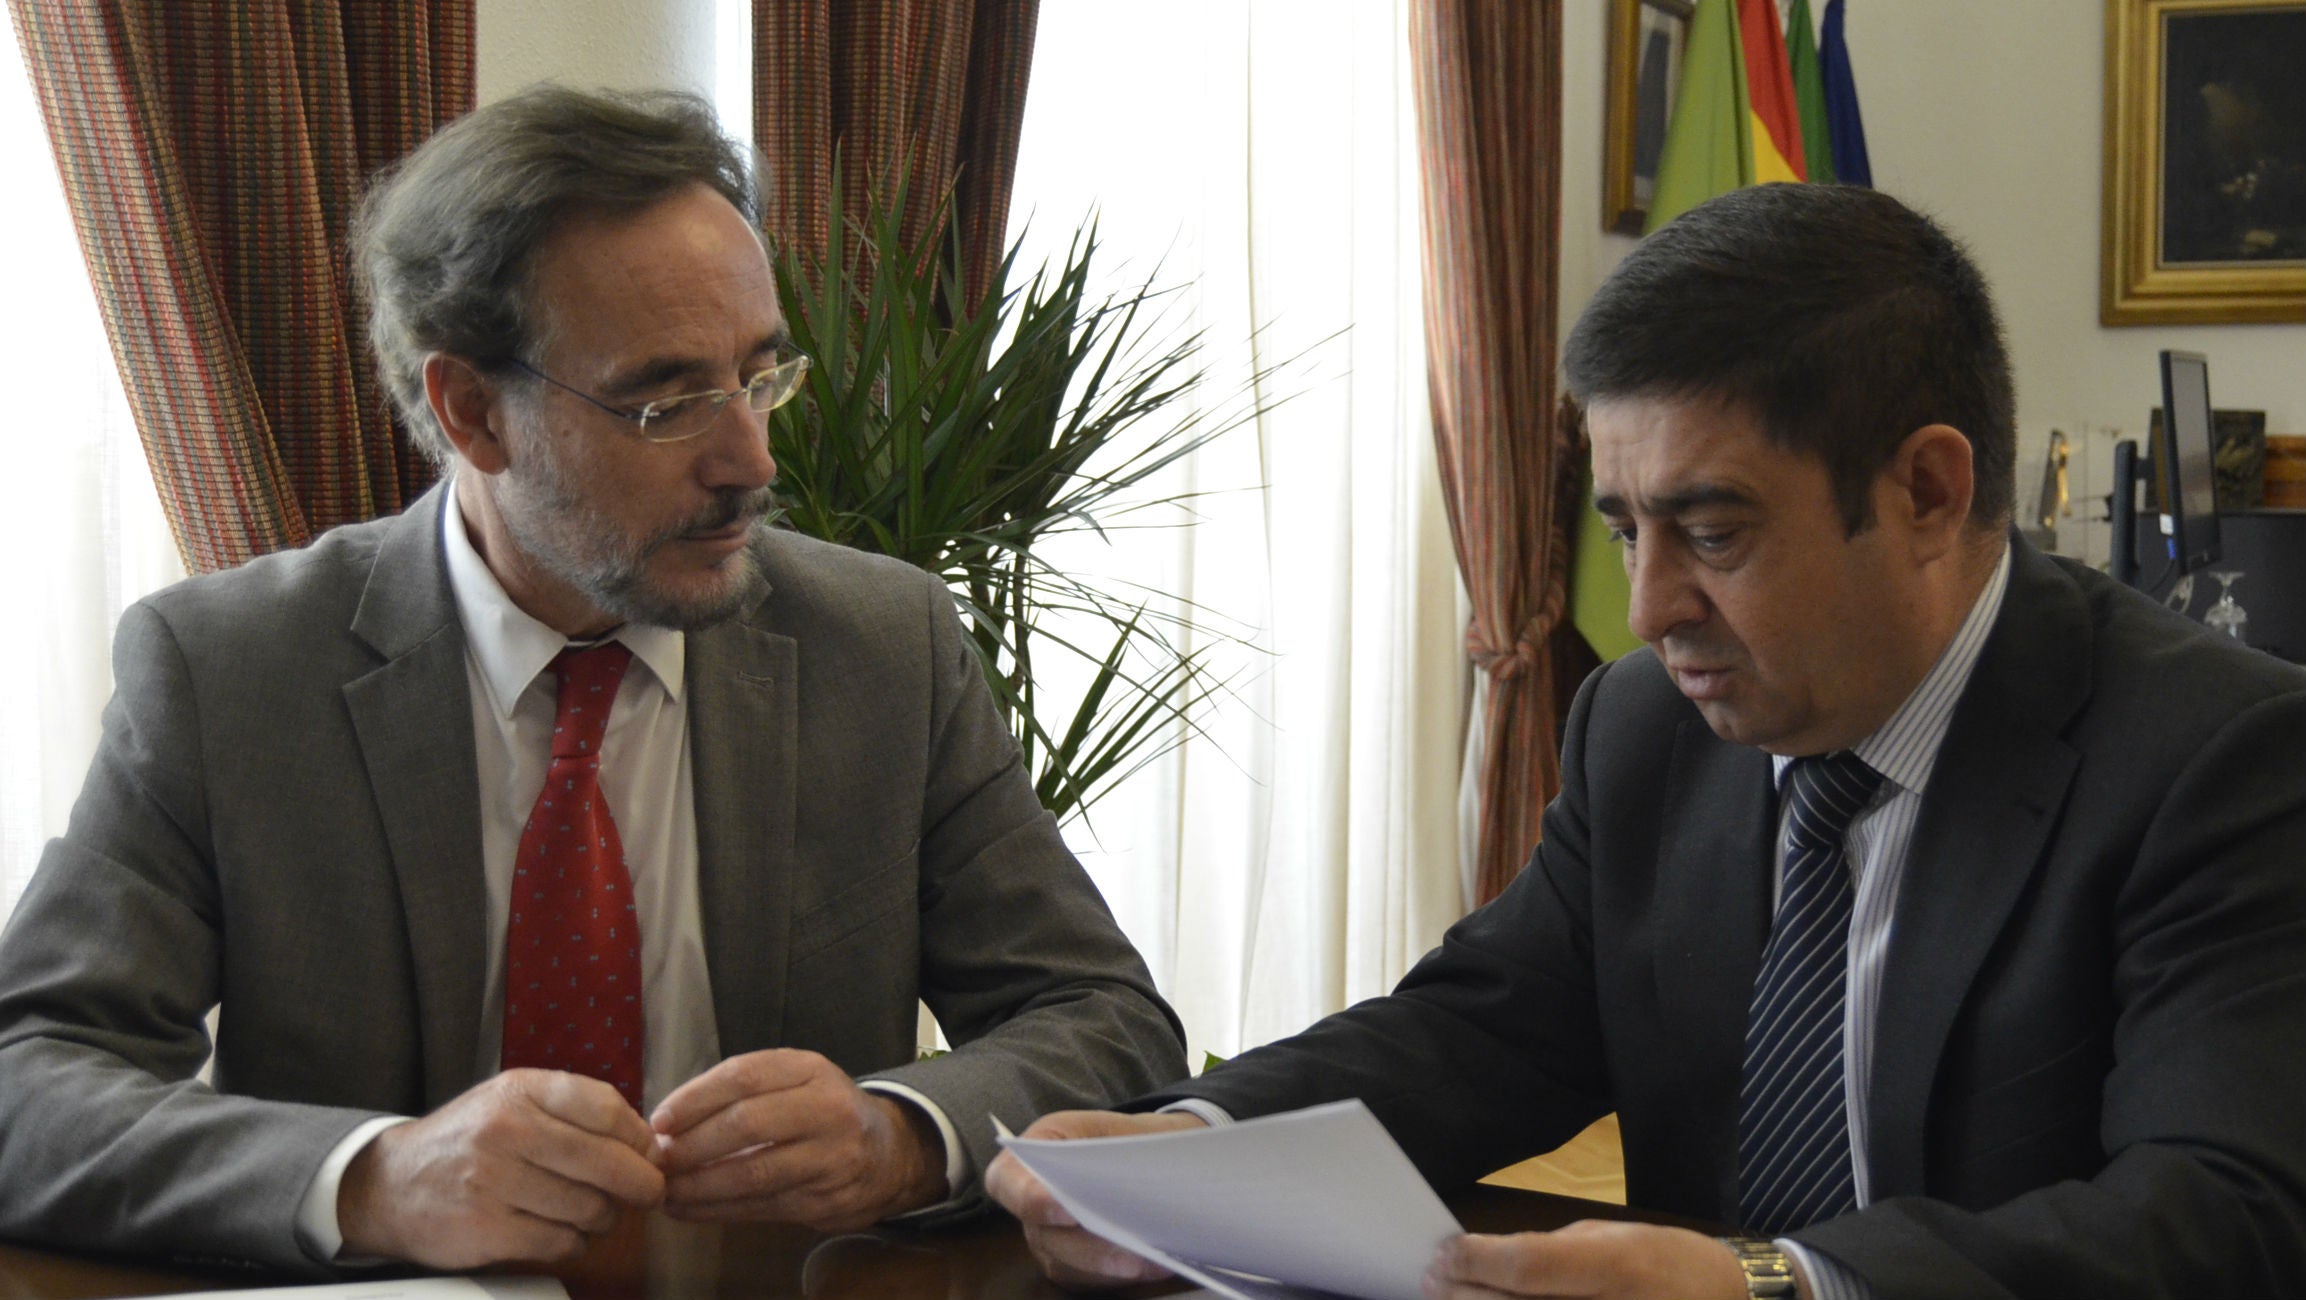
(1048, 1005)
(108, 969)
(2204, 1186)
(1489, 1050)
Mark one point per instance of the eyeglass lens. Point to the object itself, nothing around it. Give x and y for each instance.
(687, 416)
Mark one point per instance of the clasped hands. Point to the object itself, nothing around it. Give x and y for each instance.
(1623, 1261)
(531, 1164)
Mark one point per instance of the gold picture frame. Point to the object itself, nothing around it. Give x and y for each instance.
(1646, 42)
(2205, 171)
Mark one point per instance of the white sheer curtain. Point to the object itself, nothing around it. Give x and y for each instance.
(80, 523)
(1262, 154)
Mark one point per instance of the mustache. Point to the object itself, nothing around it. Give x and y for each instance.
(730, 506)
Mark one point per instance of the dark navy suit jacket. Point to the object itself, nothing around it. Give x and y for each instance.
(2090, 1064)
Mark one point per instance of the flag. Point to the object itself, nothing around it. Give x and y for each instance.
(1810, 94)
(1735, 123)
(1777, 123)
(1709, 143)
(1845, 126)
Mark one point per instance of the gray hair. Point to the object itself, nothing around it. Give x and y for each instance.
(446, 240)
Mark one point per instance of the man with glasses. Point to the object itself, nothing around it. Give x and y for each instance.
(571, 844)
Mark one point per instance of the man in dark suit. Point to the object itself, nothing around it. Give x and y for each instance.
(1932, 907)
(365, 799)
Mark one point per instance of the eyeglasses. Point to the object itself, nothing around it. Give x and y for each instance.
(674, 419)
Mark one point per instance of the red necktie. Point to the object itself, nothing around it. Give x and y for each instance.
(572, 948)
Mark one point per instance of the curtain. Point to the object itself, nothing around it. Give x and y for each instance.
(1488, 86)
(932, 88)
(212, 152)
(1299, 850)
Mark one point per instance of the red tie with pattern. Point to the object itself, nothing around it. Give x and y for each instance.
(572, 947)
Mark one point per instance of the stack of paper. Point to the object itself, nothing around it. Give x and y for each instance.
(1319, 1198)
(405, 1288)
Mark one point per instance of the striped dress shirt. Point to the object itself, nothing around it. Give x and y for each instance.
(1904, 751)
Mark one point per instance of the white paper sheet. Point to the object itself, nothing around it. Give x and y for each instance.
(405, 1288)
(1318, 1198)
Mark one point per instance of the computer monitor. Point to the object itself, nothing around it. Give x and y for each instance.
(2188, 458)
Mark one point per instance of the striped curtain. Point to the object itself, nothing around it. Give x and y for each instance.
(933, 87)
(1488, 85)
(213, 152)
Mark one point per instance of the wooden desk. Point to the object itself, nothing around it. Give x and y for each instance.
(658, 1259)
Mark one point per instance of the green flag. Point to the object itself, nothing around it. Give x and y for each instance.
(1599, 598)
(1709, 141)
(1708, 151)
(1810, 94)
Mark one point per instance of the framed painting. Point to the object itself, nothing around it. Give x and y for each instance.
(2205, 168)
(1646, 40)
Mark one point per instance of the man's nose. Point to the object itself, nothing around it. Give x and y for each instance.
(737, 448)
(1663, 596)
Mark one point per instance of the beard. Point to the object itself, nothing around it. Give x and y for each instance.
(549, 520)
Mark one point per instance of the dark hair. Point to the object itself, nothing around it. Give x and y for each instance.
(446, 240)
(1840, 318)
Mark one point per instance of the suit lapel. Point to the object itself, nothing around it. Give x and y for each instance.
(1993, 799)
(743, 740)
(1714, 867)
(413, 719)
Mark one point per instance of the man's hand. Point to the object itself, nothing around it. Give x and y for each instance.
(1617, 1261)
(1069, 1253)
(524, 1166)
(784, 1135)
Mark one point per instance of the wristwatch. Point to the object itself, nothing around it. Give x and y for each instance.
(1768, 1272)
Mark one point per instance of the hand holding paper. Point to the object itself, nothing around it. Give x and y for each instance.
(1318, 1198)
(1070, 1254)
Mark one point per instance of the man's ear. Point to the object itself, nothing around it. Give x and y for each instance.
(466, 405)
(1933, 480)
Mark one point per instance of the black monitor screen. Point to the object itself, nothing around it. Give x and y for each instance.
(2189, 459)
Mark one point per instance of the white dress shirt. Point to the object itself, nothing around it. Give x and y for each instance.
(646, 777)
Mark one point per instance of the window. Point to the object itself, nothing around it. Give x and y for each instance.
(80, 521)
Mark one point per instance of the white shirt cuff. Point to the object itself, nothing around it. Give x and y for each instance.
(316, 1226)
(957, 1172)
(1829, 1279)
(1208, 1112)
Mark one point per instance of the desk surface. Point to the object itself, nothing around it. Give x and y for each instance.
(657, 1259)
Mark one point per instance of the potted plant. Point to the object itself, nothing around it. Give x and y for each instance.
(965, 436)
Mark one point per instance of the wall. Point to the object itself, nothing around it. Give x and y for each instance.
(619, 44)
(1986, 114)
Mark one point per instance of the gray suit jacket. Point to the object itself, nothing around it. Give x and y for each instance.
(282, 817)
(2090, 1062)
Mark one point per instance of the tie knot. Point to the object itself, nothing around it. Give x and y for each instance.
(1825, 792)
(588, 686)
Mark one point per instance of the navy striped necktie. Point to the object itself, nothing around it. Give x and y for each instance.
(1793, 1121)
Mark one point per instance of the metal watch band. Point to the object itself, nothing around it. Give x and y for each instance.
(1768, 1272)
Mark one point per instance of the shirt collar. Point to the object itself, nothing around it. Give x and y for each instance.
(511, 647)
(1905, 749)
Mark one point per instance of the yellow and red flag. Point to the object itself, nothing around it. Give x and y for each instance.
(1777, 121)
